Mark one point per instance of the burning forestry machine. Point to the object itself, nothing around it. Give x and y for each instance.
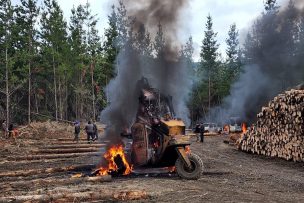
(158, 139)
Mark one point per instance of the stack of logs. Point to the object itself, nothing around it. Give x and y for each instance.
(279, 131)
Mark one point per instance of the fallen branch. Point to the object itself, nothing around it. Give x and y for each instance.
(46, 170)
(72, 196)
(70, 139)
(60, 151)
(51, 156)
(53, 181)
(75, 145)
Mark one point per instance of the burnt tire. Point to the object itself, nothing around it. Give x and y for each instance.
(191, 174)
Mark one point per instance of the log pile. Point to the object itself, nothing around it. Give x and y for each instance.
(279, 131)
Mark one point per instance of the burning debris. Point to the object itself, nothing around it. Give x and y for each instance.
(244, 127)
(117, 162)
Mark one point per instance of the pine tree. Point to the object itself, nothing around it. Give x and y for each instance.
(187, 52)
(287, 38)
(249, 47)
(93, 49)
(289, 29)
(110, 47)
(142, 42)
(232, 44)
(124, 27)
(27, 18)
(209, 58)
(159, 42)
(77, 40)
(6, 29)
(233, 54)
(54, 46)
(300, 44)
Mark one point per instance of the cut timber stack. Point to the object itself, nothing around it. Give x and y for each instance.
(279, 131)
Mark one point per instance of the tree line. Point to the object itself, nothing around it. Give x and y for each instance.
(54, 69)
(50, 68)
(272, 54)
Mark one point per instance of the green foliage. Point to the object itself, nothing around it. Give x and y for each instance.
(110, 48)
(72, 58)
(208, 72)
(209, 48)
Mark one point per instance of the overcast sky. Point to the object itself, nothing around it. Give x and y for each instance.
(224, 13)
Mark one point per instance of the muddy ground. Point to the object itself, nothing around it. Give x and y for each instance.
(229, 176)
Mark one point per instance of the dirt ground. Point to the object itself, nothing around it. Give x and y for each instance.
(229, 176)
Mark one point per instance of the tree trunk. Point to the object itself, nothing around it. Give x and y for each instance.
(209, 96)
(60, 98)
(55, 87)
(29, 92)
(29, 74)
(81, 98)
(66, 95)
(76, 106)
(7, 88)
(36, 103)
(93, 94)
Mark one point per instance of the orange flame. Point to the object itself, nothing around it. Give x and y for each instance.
(171, 169)
(110, 156)
(187, 150)
(244, 127)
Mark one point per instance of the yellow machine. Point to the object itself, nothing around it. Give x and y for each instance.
(159, 140)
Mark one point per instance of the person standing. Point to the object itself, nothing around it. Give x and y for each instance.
(4, 128)
(12, 131)
(76, 131)
(197, 130)
(95, 131)
(89, 128)
(202, 131)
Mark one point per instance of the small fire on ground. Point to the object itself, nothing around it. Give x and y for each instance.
(117, 162)
(244, 127)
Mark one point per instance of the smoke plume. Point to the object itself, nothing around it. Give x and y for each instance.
(166, 73)
(275, 53)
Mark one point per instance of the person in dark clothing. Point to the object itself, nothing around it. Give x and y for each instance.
(12, 131)
(95, 131)
(89, 128)
(4, 128)
(76, 131)
(197, 130)
(202, 131)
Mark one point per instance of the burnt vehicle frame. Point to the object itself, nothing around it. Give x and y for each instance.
(158, 138)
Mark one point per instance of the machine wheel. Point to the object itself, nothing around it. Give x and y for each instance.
(192, 174)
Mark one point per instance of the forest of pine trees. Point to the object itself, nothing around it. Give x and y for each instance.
(55, 69)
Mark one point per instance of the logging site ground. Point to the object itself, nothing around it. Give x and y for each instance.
(45, 169)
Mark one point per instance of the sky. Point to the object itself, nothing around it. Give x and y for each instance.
(223, 12)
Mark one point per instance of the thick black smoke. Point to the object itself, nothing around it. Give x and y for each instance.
(167, 72)
(274, 52)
